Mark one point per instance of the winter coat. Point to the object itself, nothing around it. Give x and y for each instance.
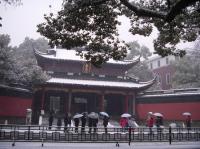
(83, 121)
(105, 121)
(67, 120)
(150, 122)
(76, 122)
(123, 122)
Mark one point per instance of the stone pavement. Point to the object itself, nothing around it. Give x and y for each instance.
(134, 145)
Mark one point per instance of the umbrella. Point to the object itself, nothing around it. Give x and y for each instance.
(125, 115)
(93, 115)
(186, 113)
(150, 113)
(158, 114)
(85, 113)
(78, 115)
(104, 114)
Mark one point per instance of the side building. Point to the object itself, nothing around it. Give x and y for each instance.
(162, 68)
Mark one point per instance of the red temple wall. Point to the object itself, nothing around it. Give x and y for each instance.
(171, 111)
(14, 106)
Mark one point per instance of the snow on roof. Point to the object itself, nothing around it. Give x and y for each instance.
(97, 83)
(64, 54)
(155, 57)
(14, 88)
(172, 94)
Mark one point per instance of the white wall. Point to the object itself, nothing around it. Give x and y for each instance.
(163, 61)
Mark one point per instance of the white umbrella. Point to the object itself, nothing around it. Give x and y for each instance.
(186, 113)
(78, 115)
(104, 114)
(125, 115)
(158, 114)
(93, 115)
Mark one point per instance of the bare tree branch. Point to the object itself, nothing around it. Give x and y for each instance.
(177, 8)
(169, 4)
(143, 11)
(169, 16)
(98, 2)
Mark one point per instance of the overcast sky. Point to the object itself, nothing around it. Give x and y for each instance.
(21, 21)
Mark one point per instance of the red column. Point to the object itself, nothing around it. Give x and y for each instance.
(126, 104)
(43, 95)
(69, 101)
(133, 105)
(102, 102)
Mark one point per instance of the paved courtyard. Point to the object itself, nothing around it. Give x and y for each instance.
(137, 145)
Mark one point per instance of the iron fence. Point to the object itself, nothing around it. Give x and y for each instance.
(69, 134)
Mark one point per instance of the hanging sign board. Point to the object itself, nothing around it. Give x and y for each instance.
(80, 100)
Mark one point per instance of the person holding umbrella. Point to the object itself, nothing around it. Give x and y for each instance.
(93, 121)
(150, 121)
(132, 123)
(105, 120)
(90, 120)
(188, 120)
(124, 120)
(105, 123)
(67, 121)
(94, 124)
(51, 119)
(83, 122)
(76, 121)
(59, 122)
(159, 121)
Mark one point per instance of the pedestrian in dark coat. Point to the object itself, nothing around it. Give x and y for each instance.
(76, 123)
(50, 119)
(105, 123)
(67, 121)
(83, 122)
(94, 124)
(59, 123)
(90, 121)
(159, 122)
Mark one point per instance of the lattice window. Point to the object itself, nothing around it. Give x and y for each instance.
(54, 103)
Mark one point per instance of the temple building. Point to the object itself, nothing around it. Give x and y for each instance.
(77, 86)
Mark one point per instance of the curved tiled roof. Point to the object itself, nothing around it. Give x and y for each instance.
(71, 55)
(101, 83)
